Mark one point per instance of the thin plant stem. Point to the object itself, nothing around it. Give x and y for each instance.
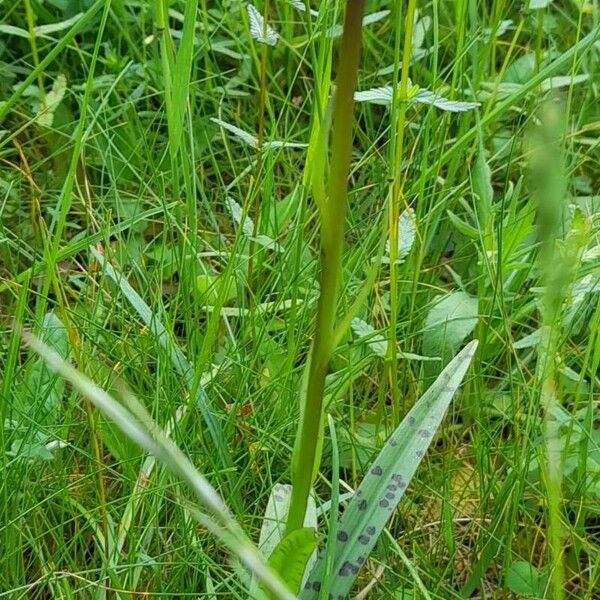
(333, 216)
(396, 196)
(34, 51)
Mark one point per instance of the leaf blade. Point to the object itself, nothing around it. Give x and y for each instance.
(385, 484)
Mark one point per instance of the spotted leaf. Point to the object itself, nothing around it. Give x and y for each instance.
(386, 481)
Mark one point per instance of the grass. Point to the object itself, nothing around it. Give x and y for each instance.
(165, 254)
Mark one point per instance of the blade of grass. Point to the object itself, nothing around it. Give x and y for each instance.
(141, 429)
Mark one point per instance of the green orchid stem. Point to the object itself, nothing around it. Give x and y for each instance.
(333, 217)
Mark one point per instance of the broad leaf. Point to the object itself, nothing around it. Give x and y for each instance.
(290, 556)
(237, 214)
(385, 483)
(53, 99)
(43, 387)
(447, 325)
(524, 579)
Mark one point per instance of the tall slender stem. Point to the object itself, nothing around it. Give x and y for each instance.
(399, 123)
(333, 216)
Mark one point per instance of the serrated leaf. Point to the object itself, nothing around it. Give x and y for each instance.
(242, 135)
(379, 95)
(384, 96)
(259, 30)
(499, 31)
(299, 5)
(375, 341)
(12, 30)
(427, 97)
(386, 482)
(291, 555)
(420, 29)
(406, 234)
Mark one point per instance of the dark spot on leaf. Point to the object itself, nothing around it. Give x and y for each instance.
(390, 495)
(384, 503)
(419, 453)
(371, 530)
(278, 498)
(355, 569)
(376, 470)
(360, 560)
(342, 536)
(397, 477)
(345, 569)
(363, 539)
(411, 420)
(392, 486)
(424, 433)
(316, 586)
(393, 442)
(362, 505)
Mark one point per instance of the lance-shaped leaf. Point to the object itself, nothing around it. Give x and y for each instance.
(385, 483)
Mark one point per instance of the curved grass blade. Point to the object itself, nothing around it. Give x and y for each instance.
(387, 479)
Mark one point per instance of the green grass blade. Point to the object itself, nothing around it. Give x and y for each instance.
(140, 428)
(6, 106)
(384, 485)
(181, 76)
(166, 341)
